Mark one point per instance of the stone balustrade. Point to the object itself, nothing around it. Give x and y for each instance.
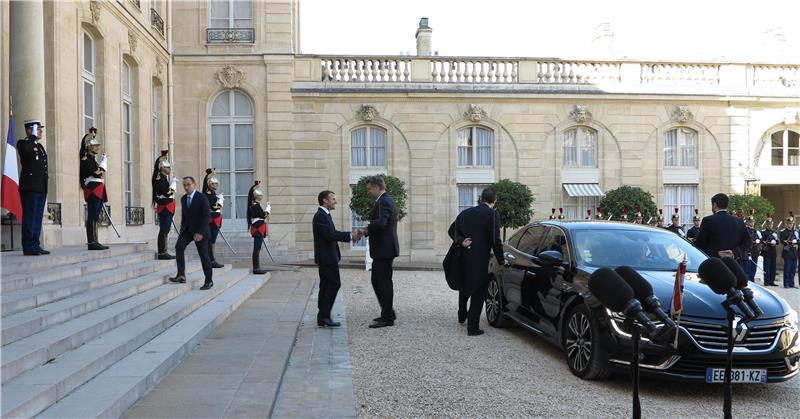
(474, 71)
(366, 69)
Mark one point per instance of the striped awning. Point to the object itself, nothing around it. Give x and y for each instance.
(583, 189)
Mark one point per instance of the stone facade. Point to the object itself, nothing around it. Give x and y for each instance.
(303, 111)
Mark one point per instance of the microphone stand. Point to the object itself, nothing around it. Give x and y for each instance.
(726, 407)
(636, 335)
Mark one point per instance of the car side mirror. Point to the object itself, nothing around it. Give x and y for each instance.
(551, 258)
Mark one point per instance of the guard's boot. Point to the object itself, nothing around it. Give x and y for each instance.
(91, 243)
(96, 239)
(162, 248)
(257, 265)
(214, 263)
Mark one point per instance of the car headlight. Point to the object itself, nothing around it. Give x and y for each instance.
(790, 320)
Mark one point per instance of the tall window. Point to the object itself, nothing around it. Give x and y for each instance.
(469, 195)
(88, 73)
(683, 197)
(231, 126)
(575, 208)
(580, 147)
(231, 14)
(680, 148)
(129, 152)
(368, 147)
(785, 148)
(155, 126)
(475, 147)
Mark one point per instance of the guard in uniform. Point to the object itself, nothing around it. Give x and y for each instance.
(164, 186)
(599, 214)
(216, 201)
(588, 214)
(692, 233)
(676, 226)
(257, 219)
(561, 214)
(660, 219)
(750, 256)
(32, 187)
(93, 185)
(552, 213)
(789, 254)
(638, 217)
(769, 241)
(624, 216)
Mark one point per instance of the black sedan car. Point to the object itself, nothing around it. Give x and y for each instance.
(545, 290)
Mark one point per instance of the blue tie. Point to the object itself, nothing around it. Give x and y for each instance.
(189, 201)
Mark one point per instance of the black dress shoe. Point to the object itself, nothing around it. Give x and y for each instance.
(462, 316)
(475, 332)
(381, 323)
(165, 256)
(96, 246)
(216, 265)
(180, 279)
(328, 323)
(43, 252)
(207, 286)
(31, 252)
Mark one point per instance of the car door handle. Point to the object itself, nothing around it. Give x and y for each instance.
(509, 256)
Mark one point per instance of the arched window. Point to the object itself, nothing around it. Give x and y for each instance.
(475, 147)
(88, 76)
(231, 124)
(785, 145)
(680, 148)
(230, 14)
(580, 147)
(128, 134)
(368, 147)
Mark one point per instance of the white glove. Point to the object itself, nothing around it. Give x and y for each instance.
(220, 200)
(104, 162)
(174, 184)
(773, 242)
(794, 241)
(758, 241)
(268, 209)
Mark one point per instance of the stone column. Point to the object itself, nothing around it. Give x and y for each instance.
(27, 60)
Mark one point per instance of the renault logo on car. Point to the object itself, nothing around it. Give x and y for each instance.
(739, 330)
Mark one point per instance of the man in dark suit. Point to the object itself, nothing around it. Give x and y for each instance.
(32, 186)
(327, 256)
(383, 248)
(195, 213)
(477, 230)
(722, 234)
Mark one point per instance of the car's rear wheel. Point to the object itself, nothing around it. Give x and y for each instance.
(494, 305)
(585, 356)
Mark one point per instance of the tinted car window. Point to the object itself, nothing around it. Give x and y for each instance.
(641, 250)
(529, 243)
(556, 240)
(514, 240)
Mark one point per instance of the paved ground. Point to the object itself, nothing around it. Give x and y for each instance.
(426, 366)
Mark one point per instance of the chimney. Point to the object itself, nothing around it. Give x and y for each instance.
(424, 33)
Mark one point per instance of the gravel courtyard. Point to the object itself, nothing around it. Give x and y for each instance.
(426, 366)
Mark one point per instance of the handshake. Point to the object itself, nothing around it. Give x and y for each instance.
(357, 234)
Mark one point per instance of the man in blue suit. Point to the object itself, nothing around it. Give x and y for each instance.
(722, 234)
(195, 213)
(327, 256)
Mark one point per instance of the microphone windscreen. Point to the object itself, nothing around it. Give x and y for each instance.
(716, 275)
(641, 288)
(736, 269)
(612, 291)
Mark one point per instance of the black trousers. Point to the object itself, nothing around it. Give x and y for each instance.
(476, 300)
(383, 286)
(202, 249)
(329, 284)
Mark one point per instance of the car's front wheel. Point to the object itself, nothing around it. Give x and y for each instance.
(494, 304)
(585, 356)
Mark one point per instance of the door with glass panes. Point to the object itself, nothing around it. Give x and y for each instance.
(231, 127)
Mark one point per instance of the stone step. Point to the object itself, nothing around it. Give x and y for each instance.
(42, 347)
(17, 301)
(116, 389)
(34, 391)
(15, 262)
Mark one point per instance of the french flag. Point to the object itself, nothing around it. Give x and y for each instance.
(10, 194)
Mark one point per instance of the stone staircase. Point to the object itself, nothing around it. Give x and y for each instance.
(243, 244)
(86, 334)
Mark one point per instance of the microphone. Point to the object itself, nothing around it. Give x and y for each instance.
(617, 295)
(742, 285)
(644, 293)
(722, 281)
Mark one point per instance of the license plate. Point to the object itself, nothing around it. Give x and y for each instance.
(738, 375)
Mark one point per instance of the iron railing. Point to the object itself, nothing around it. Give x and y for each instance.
(134, 216)
(230, 35)
(54, 212)
(103, 217)
(156, 21)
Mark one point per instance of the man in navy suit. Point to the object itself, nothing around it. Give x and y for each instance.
(195, 213)
(722, 234)
(327, 256)
(383, 248)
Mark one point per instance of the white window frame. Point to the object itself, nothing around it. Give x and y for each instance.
(785, 148)
(370, 147)
(580, 140)
(154, 114)
(575, 207)
(683, 155)
(88, 78)
(476, 189)
(472, 147)
(128, 140)
(686, 209)
(357, 222)
(231, 21)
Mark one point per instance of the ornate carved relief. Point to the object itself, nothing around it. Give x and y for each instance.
(133, 40)
(682, 114)
(367, 112)
(160, 66)
(230, 76)
(580, 114)
(475, 113)
(94, 6)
